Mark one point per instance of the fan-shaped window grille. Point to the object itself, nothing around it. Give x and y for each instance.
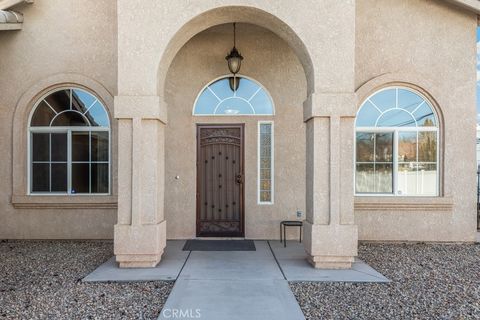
(69, 144)
(397, 144)
(218, 98)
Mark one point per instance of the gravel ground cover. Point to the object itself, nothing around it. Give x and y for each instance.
(429, 281)
(42, 280)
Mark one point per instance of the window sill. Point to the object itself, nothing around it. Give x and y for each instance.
(383, 203)
(64, 202)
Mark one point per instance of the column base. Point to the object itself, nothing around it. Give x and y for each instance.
(138, 261)
(330, 262)
(331, 246)
(139, 246)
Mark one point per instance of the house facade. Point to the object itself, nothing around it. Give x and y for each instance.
(121, 119)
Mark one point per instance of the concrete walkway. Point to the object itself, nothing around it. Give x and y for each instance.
(234, 285)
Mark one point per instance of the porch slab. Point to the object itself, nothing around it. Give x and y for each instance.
(169, 267)
(292, 261)
(232, 299)
(233, 265)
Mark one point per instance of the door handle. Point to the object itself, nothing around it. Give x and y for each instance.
(239, 178)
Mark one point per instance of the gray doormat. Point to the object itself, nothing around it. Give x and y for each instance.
(219, 245)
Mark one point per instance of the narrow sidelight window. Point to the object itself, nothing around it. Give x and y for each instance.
(69, 151)
(265, 162)
(397, 145)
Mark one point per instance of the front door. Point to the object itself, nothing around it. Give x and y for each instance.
(220, 181)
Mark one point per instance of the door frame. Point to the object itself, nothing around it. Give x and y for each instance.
(241, 126)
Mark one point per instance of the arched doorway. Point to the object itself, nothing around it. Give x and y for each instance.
(141, 231)
(271, 182)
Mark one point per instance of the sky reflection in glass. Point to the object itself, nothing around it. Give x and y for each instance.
(249, 99)
(396, 107)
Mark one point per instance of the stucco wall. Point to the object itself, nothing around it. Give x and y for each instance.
(270, 61)
(426, 43)
(431, 45)
(65, 41)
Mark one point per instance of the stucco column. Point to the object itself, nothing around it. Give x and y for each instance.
(140, 232)
(331, 237)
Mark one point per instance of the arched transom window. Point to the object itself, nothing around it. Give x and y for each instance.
(397, 144)
(222, 98)
(69, 144)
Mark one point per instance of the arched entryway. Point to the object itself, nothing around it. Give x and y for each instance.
(271, 92)
(147, 160)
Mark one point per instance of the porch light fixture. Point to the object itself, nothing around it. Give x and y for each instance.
(234, 60)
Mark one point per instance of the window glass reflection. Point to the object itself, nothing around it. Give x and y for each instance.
(368, 115)
(374, 167)
(72, 108)
(219, 99)
(403, 124)
(407, 146)
(427, 146)
(396, 118)
(384, 100)
(69, 144)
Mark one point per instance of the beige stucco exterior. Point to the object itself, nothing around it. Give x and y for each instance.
(148, 60)
(55, 48)
(433, 60)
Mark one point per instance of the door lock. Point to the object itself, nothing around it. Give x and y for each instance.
(239, 178)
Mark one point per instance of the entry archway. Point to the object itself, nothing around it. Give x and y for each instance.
(146, 51)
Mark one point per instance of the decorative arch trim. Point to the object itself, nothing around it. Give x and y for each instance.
(228, 14)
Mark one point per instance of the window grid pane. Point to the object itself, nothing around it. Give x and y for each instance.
(414, 176)
(265, 162)
(48, 164)
(374, 173)
(49, 175)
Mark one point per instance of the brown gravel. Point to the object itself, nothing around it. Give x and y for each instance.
(429, 281)
(41, 280)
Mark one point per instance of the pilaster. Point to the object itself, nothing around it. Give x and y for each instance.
(330, 233)
(140, 232)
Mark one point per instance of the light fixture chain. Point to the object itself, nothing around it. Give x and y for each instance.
(234, 34)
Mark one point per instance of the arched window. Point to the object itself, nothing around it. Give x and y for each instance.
(397, 144)
(218, 98)
(69, 144)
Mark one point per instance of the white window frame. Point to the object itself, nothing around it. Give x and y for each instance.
(395, 161)
(272, 163)
(68, 130)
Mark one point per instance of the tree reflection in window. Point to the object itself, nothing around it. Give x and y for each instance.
(396, 144)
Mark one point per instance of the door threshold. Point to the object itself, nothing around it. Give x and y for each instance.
(219, 238)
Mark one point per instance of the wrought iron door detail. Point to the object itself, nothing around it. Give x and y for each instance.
(220, 180)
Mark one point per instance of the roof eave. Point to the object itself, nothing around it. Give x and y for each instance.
(471, 5)
(6, 4)
(10, 26)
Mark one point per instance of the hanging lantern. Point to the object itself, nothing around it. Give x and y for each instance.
(234, 58)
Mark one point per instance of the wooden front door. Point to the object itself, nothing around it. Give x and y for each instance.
(220, 181)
